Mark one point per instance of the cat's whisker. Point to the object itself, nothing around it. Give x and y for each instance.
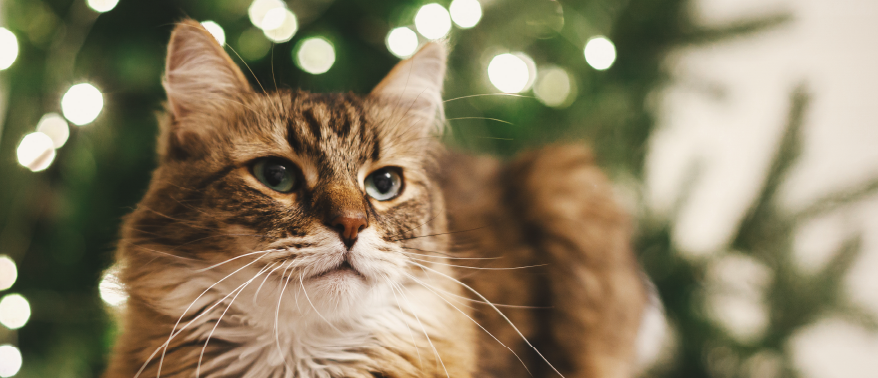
(256, 295)
(477, 267)
(248, 67)
(474, 291)
(446, 257)
(429, 287)
(435, 351)
(235, 258)
(402, 313)
(302, 283)
(439, 234)
(277, 315)
(485, 303)
(488, 94)
(239, 289)
(482, 118)
(173, 330)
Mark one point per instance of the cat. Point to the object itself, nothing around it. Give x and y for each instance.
(292, 234)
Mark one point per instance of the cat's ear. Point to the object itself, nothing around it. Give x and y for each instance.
(417, 83)
(199, 75)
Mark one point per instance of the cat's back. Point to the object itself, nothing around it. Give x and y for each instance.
(554, 209)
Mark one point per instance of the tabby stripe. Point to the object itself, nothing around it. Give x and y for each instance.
(311, 119)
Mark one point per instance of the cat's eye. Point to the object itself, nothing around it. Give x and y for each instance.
(276, 174)
(384, 184)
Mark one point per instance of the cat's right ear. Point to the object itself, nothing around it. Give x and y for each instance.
(417, 83)
(199, 75)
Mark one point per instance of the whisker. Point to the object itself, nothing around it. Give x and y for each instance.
(471, 319)
(476, 267)
(255, 295)
(482, 118)
(446, 257)
(435, 351)
(402, 313)
(439, 234)
(301, 282)
(474, 291)
(235, 258)
(277, 315)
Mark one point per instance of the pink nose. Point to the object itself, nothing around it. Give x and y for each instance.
(349, 226)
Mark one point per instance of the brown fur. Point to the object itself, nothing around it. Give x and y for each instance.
(205, 214)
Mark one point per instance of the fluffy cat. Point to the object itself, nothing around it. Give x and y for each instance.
(291, 234)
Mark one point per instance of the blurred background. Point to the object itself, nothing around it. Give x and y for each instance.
(742, 134)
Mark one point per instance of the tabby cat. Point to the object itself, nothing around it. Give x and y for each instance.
(291, 234)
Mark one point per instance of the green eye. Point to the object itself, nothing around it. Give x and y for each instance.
(384, 184)
(276, 174)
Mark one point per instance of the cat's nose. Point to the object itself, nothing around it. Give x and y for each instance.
(349, 225)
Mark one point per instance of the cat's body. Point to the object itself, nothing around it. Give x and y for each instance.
(232, 272)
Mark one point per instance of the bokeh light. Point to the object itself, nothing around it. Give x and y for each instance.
(216, 31)
(82, 104)
(554, 87)
(402, 42)
(259, 8)
(465, 13)
(111, 290)
(14, 311)
(252, 45)
(280, 25)
(8, 48)
(511, 73)
(315, 55)
(8, 272)
(36, 151)
(433, 21)
(600, 53)
(102, 6)
(56, 127)
(10, 360)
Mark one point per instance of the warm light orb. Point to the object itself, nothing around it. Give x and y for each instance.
(14, 311)
(82, 104)
(465, 13)
(315, 55)
(252, 45)
(433, 21)
(554, 87)
(8, 48)
(511, 73)
(402, 42)
(259, 8)
(56, 127)
(216, 31)
(280, 25)
(102, 6)
(111, 290)
(36, 151)
(8, 272)
(600, 53)
(10, 360)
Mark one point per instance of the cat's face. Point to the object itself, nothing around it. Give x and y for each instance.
(330, 192)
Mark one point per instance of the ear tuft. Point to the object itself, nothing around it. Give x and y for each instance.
(417, 82)
(199, 74)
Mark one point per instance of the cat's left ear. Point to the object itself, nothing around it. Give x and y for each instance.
(417, 83)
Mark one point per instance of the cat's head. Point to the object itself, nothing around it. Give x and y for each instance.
(333, 191)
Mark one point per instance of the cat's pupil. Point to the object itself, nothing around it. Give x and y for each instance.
(383, 181)
(274, 174)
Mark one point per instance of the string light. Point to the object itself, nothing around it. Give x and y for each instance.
(433, 21)
(8, 48)
(465, 13)
(102, 6)
(554, 87)
(600, 53)
(56, 127)
(82, 104)
(10, 360)
(315, 55)
(8, 272)
(216, 31)
(280, 25)
(36, 151)
(511, 73)
(402, 42)
(259, 8)
(14, 311)
(111, 290)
